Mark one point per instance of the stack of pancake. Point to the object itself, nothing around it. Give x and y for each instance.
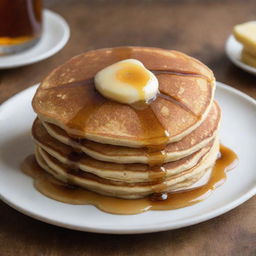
(128, 151)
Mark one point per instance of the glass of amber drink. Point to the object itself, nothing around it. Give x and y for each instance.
(20, 25)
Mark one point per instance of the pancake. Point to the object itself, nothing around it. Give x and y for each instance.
(167, 145)
(113, 171)
(118, 189)
(191, 143)
(68, 99)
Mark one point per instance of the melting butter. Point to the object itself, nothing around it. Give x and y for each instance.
(127, 81)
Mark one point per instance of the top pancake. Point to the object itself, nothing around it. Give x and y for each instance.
(68, 99)
(194, 141)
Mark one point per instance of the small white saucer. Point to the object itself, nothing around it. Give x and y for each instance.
(55, 35)
(233, 51)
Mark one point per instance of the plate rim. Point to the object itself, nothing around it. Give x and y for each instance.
(50, 52)
(156, 227)
(236, 61)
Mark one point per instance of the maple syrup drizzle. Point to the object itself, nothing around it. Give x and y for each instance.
(96, 100)
(135, 76)
(56, 190)
(176, 101)
(157, 139)
(178, 73)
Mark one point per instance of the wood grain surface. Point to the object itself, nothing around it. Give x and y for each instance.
(198, 28)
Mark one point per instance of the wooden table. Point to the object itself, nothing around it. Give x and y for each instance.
(198, 28)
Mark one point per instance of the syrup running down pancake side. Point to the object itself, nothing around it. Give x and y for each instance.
(56, 190)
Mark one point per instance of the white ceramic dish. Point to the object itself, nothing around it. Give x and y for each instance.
(55, 35)
(16, 189)
(233, 51)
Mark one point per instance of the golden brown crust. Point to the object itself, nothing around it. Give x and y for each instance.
(57, 101)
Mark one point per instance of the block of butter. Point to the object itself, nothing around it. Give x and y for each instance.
(248, 58)
(246, 34)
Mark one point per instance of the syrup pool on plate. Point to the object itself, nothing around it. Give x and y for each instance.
(56, 190)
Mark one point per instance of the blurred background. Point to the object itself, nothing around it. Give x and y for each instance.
(197, 27)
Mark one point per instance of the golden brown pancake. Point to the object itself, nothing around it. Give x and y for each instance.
(128, 151)
(123, 189)
(68, 99)
(112, 171)
(191, 143)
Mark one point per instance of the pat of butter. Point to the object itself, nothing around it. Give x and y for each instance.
(246, 34)
(127, 81)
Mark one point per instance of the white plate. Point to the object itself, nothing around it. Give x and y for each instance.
(233, 51)
(16, 189)
(54, 37)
